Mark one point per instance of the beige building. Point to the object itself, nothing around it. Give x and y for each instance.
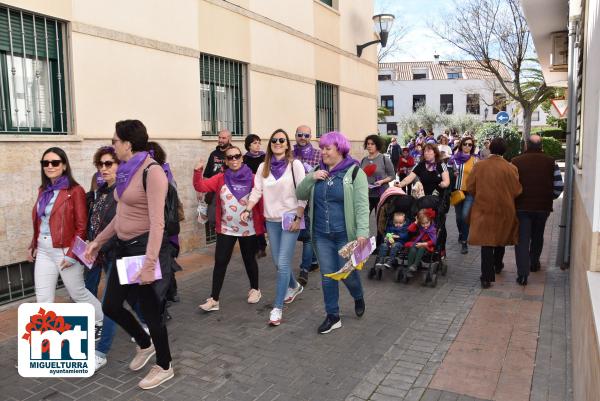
(69, 69)
(567, 37)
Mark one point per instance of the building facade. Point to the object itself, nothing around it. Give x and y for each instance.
(70, 69)
(450, 87)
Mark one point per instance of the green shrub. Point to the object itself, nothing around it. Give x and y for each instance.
(553, 148)
(553, 132)
(386, 139)
(509, 133)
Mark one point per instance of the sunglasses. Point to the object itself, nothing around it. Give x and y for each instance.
(234, 157)
(301, 134)
(275, 140)
(468, 144)
(107, 164)
(54, 163)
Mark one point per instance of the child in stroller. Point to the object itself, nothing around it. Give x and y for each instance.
(396, 235)
(423, 238)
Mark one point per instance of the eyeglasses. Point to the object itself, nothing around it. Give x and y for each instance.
(107, 164)
(301, 134)
(275, 140)
(54, 163)
(468, 144)
(234, 157)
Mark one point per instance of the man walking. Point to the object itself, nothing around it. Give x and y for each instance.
(542, 183)
(394, 151)
(214, 165)
(310, 157)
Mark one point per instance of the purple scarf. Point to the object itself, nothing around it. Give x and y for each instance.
(430, 231)
(239, 182)
(341, 166)
(278, 166)
(255, 155)
(430, 166)
(305, 152)
(61, 183)
(459, 158)
(127, 169)
(168, 172)
(99, 180)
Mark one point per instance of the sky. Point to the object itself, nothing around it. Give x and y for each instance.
(420, 43)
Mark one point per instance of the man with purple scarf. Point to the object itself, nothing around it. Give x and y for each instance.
(310, 157)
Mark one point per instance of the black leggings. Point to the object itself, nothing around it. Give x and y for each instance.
(151, 305)
(372, 204)
(223, 251)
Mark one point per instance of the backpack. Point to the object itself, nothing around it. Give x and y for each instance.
(172, 207)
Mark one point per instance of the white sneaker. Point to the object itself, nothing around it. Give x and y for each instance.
(275, 317)
(146, 329)
(292, 293)
(210, 305)
(100, 362)
(254, 296)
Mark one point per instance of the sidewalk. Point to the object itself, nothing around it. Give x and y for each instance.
(454, 342)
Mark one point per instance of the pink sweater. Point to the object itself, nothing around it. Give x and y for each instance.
(279, 196)
(140, 211)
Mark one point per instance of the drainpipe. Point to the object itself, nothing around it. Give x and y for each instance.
(563, 255)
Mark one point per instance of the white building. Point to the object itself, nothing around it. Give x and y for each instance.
(452, 87)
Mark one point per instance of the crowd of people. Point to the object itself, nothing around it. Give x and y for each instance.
(319, 196)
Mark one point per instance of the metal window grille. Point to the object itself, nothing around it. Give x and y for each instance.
(577, 125)
(32, 84)
(418, 102)
(446, 104)
(473, 103)
(327, 107)
(210, 231)
(223, 95)
(16, 282)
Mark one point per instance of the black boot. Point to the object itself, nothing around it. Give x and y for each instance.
(522, 280)
(359, 307)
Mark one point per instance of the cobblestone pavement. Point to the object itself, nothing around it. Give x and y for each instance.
(392, 353)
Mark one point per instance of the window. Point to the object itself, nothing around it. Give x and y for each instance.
(446, 104)
(328, 2)
(499, 103)
(327, 107)
(223, 95)
(473, 103)
(392, 128)
(32, 83)
(385, 77)
(419, 75)
(418, 102)
(535, 116)
(454, 75)
(388, 103)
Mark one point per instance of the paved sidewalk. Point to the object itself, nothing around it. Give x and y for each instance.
(413, 343)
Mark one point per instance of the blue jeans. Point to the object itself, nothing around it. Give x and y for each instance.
(327, 246)
(91, 278)
(283, 244)
(308, 255)
(462, 213)
(393, 249)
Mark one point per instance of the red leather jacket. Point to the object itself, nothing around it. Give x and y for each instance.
(68, 218)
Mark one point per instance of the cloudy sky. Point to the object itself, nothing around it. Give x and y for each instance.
(420, 42)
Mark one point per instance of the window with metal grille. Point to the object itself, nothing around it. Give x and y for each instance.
(392, 128)
(223, 95)
(418, 102)
(32, 83)
(473, 103)
(384, 77)
(577, 125)
(327, 107)
(499, 103)
(446, 104)
(388, 103)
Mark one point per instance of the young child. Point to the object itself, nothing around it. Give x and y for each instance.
(396, 234)
(423, 239)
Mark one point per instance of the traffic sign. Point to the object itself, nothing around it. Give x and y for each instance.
(502, 118)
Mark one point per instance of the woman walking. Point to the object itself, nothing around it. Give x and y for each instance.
(378, 167)
(275, 183)
(430, 171)
(253, 158)
(232, 189)
(139, 225)
(338, 203)
(494, 185)
(59, 215)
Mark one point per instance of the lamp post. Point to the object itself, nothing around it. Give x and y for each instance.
(383, 25)
(485, 113)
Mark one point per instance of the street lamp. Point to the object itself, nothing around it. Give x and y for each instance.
(383, 25)
(485, 113)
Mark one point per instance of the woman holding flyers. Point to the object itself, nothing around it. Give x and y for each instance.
(59, 215)
(139, 226)
(337, 192)
(232, 189)
(275, 183)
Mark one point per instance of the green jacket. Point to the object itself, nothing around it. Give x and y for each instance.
(356, 202)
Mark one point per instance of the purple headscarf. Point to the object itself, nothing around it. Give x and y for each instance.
(278, 167)
(61, 183)
(239, 182)
(341, 166)
(127, 169)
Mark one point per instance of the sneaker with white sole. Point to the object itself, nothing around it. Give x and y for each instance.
(142, 356)
(254, 296)
(100, 362)
(156, 377)
(146, 329)
(292, 293)
(98, 332)
(275, 317)
(210, 305)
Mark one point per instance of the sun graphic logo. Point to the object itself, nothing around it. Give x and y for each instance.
(56, 340)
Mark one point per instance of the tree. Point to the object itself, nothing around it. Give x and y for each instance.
(496, 35)
(393, 47)
(382, 112)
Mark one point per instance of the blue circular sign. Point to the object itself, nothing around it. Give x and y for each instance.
(502, 117)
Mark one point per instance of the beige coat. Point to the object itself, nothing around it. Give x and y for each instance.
(494, 183)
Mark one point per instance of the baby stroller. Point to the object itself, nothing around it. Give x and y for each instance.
(392, 200)
(433, 263)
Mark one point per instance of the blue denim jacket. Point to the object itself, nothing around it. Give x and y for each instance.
(328, 215)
